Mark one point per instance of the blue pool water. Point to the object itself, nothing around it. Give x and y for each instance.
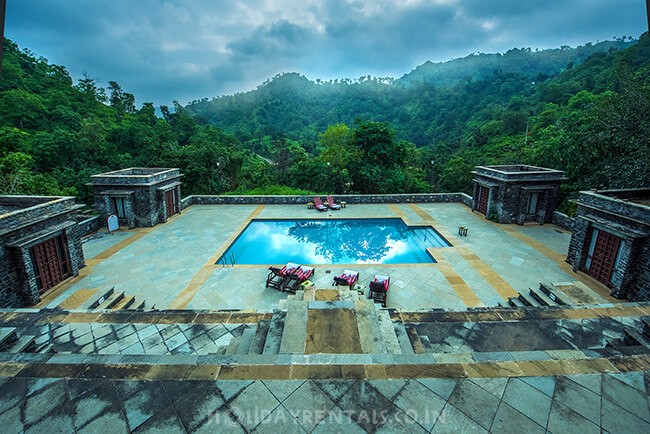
(349, 241)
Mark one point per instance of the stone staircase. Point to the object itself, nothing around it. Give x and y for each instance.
(113, 299)
(546, 295)
(330, 327)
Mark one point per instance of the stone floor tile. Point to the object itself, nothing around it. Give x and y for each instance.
(395, 421)
(443, 387)
(231, 388)
(475, 402)
(45, 401)
(527, 400)
(335, 389)
(495, 386)
(544, 384)
(147, 401)
(364, 400)
(564, 420)
(388, 388)
(34, 385)
(93, 403)
(281, 421)
(617, 420)
(253, 404)
(420, 403)
(222, 422)
(309, 404)
(451, 420)
(626, 396)
(11, 422)
(634, 379)
(55, 423)
(163, 422)
(590, 381)
(112, 422)
(198, 404)
(578, 398)
(281, 389)
(509, 420)
(337, 421)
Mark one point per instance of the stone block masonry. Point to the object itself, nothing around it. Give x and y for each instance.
(30, 221)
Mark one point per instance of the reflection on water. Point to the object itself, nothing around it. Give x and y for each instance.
(334, 242)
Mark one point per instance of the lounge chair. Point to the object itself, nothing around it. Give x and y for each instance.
(293, 280)
(275, 279)
(318, 204)
(348, 278)
(379, 289)
(331, 204)
(290, 268)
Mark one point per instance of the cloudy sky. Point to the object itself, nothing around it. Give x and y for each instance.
(164, 50)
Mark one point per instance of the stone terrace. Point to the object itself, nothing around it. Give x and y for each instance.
(173, 265)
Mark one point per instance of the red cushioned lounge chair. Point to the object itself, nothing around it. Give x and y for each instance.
(275, 279)
(379, 289)
(331, 204)
(348, 278)
(294, 279)
(318, 204)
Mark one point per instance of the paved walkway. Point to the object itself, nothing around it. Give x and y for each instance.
(617, 403)
(172, 265)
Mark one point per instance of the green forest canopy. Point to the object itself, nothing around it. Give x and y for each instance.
(421, 133)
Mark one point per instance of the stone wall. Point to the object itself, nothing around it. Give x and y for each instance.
(349, 198)
(563, 220)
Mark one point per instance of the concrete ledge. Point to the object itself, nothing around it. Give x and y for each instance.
(349, 198)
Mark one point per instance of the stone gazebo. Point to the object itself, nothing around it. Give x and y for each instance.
(139, 196)
(516, 193)
(611, 240)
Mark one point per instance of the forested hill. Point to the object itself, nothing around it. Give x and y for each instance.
(294, 136)
(537, 65)
(432, 103)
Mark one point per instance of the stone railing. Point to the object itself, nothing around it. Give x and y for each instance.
(563, 220)
(349, 198)
(89, 225)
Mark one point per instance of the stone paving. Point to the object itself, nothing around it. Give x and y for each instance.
(173, 264)
(615, 402)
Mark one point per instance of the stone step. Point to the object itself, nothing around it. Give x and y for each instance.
(7, 335)
(140, 306)
(237, 334)
(310, 294)
(274, 335)
(515, 302)
(541, 297)
(257, 345)
(125, 303)
(632, 337)
(246, 340)
(646, 326)
(45, 349)
(556, 294)
(22, 345)
(369, 333)
(528, 300)
(94, 303)
(112, 300)
(426, 342)
(416, 343)
(387, 331)
(294, 333)
(403, 338)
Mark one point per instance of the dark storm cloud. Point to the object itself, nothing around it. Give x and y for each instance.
(164, 50)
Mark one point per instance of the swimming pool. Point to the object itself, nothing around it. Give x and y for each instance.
(344, 241)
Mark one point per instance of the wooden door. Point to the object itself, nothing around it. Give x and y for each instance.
(483, 196)
(601, 257)
(170, 201)
(51, 262)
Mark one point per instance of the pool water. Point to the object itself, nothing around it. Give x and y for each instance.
(348, 241)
